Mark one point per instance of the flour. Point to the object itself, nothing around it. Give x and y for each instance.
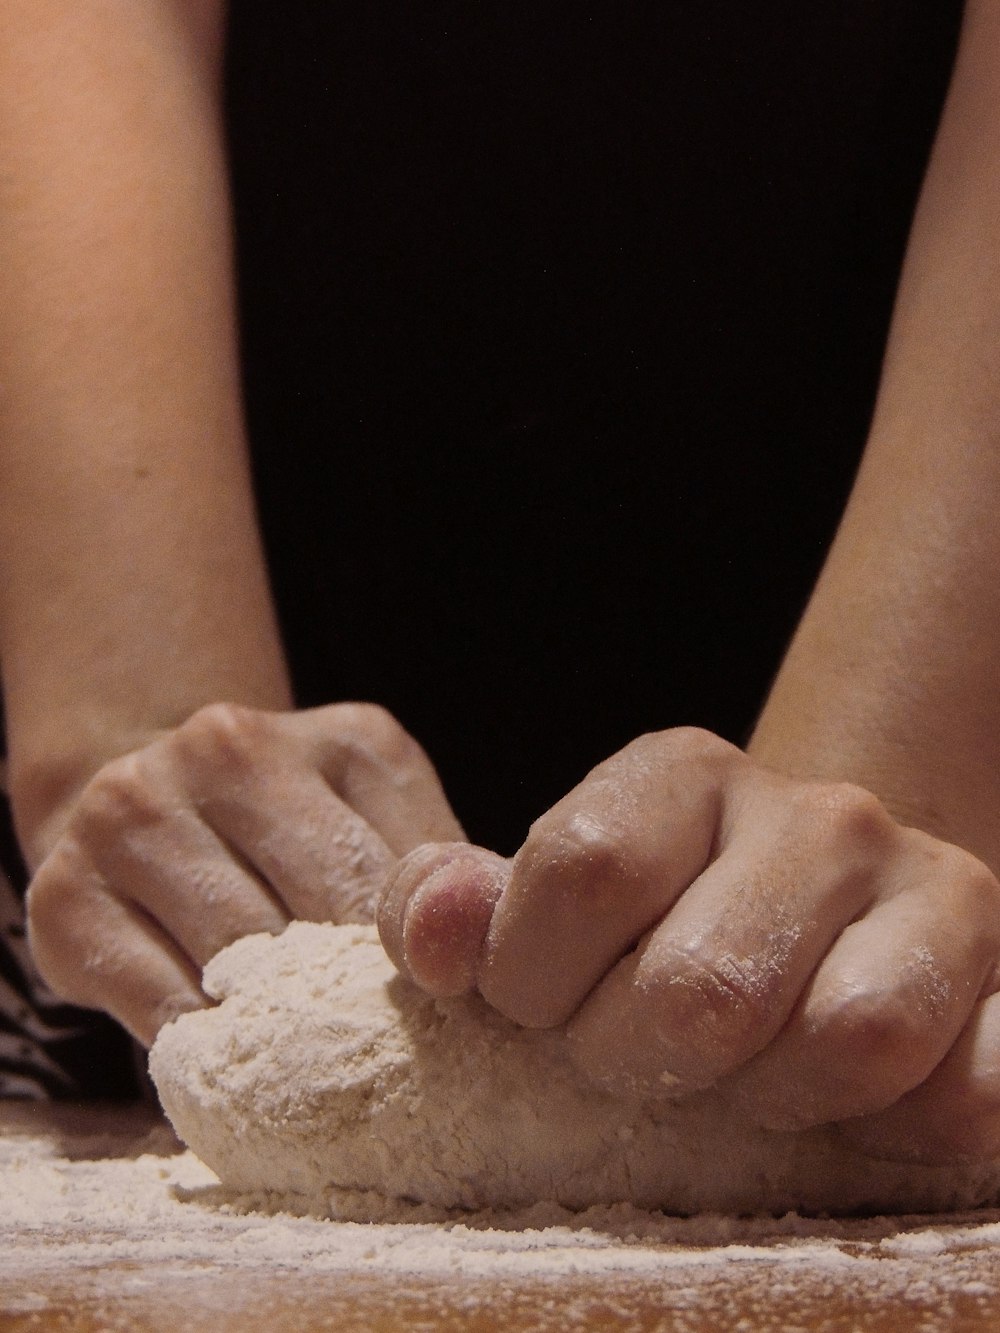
(325, 1084)
(162, 1204)
(141, 1235)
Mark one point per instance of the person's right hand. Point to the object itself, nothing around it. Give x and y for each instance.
(233, 823)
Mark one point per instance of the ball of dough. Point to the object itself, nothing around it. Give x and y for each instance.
(322, 1070)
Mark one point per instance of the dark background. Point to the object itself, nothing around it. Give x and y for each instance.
(562, 327)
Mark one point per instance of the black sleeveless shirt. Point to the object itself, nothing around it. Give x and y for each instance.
(563, 323)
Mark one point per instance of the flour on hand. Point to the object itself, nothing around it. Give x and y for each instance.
(321, 1071)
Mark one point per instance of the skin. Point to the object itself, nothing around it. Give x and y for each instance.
(811, 926)
(134, 587)
(235, 822)
(134, 593)
(697, 920)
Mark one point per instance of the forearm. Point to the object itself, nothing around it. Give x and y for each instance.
(893, 678)
(134, 588)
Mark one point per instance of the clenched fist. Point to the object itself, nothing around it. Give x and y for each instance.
(697, 920)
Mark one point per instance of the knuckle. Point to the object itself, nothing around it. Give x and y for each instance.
(973, 883)
(119, 796)
(963, 890)
(684, 745)
(370, 732)
(715, 1011)
(872, 1033)
(221, 735)
(845, 814)
(973, 899)
(580, 853)
(696, 741)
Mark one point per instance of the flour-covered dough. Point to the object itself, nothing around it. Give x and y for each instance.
(321, 1070)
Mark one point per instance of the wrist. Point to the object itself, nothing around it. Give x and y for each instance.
(928, 777)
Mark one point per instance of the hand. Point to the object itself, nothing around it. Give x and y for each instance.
(231, 824)
(696, 920)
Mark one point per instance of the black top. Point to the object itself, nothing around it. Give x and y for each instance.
(563, 324)
(562, 329)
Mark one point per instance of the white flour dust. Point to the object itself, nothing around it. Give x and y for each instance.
(70, 1207)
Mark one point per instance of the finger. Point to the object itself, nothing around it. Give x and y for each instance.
(885, 1006)
(105, 954)
(198, 890)
(253, 779)
(435, 912)
(380, 771)
(600, 868)
(954, 1114)
(322, 859)
(715, 981)
(239, 762)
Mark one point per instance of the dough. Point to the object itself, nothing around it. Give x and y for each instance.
(321, 1070)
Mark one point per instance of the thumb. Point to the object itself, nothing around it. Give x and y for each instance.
(435, 911)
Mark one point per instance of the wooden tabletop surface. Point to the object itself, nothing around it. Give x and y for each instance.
(948, 1278)
(189, 1303)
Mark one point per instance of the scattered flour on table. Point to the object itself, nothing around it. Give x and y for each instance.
(328, 1083)
(69, 1207)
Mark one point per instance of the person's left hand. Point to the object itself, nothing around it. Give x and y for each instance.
(697, 920)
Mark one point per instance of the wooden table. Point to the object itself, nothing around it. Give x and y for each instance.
(871, 1287)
